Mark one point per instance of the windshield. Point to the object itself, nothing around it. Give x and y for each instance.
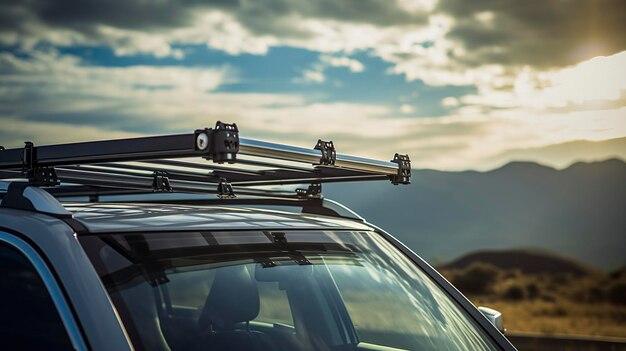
(295, 290)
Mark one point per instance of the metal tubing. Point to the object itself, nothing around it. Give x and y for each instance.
(299, 154)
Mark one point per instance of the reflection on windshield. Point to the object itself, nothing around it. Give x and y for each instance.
(307, 290)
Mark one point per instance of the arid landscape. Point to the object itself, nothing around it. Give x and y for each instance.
(564, 298)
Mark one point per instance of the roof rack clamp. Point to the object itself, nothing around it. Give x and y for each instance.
(329, 154)
(161, 182)
(221, 143)
(28, 157)
(313, 191)
(225, 189)
(404, 169)
(42, 176)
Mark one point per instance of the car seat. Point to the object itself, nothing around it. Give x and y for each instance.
(231, 304)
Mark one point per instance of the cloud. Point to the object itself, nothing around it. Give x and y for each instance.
(50, 97)
(313, 76)
(60, 90)
(122, 24)
(450, 101)
(446, 42)
(531, 65)
(407, 109)
(316, 73)
(541, 34)
(598, 83)
(353, 65)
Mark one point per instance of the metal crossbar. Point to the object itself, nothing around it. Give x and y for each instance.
(206, 161)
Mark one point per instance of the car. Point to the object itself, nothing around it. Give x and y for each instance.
(123, 244)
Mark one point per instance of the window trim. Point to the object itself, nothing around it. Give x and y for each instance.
(51, 285)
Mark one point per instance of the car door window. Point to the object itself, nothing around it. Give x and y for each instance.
(29, 319)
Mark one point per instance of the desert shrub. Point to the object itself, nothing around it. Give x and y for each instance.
(514, 293)
(532, 291)
(561, 279)
(595, 294)
(616, 293)
(477, 278)
(511, 274)
(618, 274)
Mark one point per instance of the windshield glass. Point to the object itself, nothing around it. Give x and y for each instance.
(295, 290)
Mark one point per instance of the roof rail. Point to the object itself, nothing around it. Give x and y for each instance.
(209, 160)
(23, 196)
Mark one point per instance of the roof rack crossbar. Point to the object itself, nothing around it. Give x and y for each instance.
(203, 143)
(257, 163)
(73, 191)
(312, 156)
(207, 167)
(147, 171)
(269, 177)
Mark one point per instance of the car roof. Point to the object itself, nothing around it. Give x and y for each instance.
(147, 217)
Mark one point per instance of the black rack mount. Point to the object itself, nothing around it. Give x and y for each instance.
(211, 160)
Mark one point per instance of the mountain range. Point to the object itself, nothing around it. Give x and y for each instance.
(578, 211)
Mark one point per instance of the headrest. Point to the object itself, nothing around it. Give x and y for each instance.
(234, 298)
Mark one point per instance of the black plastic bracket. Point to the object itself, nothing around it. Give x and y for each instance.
(404, 170)
(225, 189)
(329, 155)
(280, 239)
(43, 176)
(221, 143)
(14, 197)
(29, 158)
(161, 182)
(267, 262)
(314, 190)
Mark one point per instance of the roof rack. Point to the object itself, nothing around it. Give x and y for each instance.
(207, 161)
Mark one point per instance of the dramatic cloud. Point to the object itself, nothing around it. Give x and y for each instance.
(541, 34)
(508, 74)
(447, 42)
(51, 97)
(121, 23)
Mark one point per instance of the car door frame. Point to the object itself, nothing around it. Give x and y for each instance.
(53, 288)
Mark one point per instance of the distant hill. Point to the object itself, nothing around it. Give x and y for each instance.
(561, 155)
(528, 262)
(579, 211)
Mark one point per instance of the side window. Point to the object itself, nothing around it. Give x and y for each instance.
(28, 316)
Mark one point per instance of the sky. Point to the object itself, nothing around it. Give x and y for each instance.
(456, 84)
